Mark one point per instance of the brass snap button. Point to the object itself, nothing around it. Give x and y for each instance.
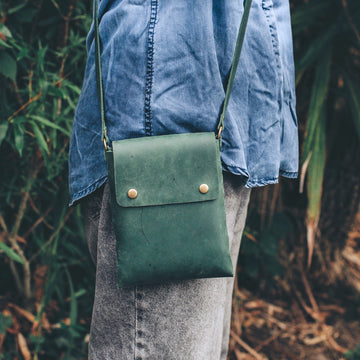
(132, 193)
(204, 188)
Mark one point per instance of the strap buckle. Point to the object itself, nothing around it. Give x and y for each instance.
(105, 144)
(219, 133)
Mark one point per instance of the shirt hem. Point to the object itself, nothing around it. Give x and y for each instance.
(253, 182)
(249, 183)
(91, 188)
(274, 180)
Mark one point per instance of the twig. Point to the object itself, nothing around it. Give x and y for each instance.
(65, 40)
(12, 265)
(315, 315)
(3, 223)
(308, 289)
(351, 257)
(31, 74)
(23, 203)
(66, 217)
(18, 96)
(26, 290)
(33, 206)
(286, 352)
(24, 106)
(242, 356)
(336, 346)
(21, 341)
(36, 97)
(15, 274)
(269, 340)
(247, 347)
(275, 321)
(26, 314)
(320, 258)
(334, 308)
(57, 7)
(38, 222)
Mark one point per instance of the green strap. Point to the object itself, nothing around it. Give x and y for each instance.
(99, 83)
(230, 83)
(235, 62)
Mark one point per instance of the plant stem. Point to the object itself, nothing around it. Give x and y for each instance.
(24, 288)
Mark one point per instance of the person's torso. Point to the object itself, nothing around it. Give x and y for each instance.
(164, 68)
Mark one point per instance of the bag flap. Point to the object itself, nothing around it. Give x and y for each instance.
(166, 169)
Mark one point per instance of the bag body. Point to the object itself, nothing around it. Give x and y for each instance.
(167, 196)
(168, 210)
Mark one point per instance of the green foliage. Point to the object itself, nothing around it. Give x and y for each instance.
(353, 355)
(260, 249)
(44, 262)
(5, 322)
(10, 253)
(327, 61)
(42, 60)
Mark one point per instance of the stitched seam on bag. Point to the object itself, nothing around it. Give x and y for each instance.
(150, 68)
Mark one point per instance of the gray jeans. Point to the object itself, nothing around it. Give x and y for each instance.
(183, 320)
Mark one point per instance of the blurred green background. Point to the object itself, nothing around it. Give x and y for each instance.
(300, 254)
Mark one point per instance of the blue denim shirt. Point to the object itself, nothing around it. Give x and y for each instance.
(164, 66)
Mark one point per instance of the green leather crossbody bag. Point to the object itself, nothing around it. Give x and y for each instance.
(167, 197)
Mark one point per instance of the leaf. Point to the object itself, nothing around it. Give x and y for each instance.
(10, 253)
(354, 101)
(5, 30)
(36, 339)
(5, 322)
(27, 15)
(19, 138)
(74, 88)
(315, 144)
(80, 292)
(73, 301)
(23, 53)
(318, 98)
(4, 44)
(50, 124)
(315, 182)
(3, 131)
(306, 15)
(16, 8)
(19, 120)
(314, 53)
(40, 137)
(8, 66)
(316, 167)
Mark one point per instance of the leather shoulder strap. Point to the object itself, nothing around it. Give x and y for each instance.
(99, 82)
(234, 65)
(229, 86)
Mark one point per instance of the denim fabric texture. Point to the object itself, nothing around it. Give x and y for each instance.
(165, 65)
(182, 320)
